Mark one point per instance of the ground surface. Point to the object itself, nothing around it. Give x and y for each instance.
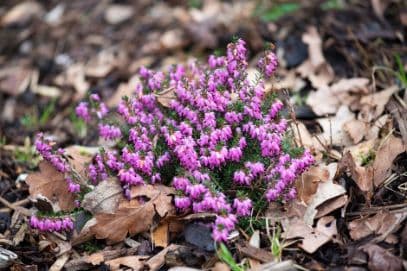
(342, 67)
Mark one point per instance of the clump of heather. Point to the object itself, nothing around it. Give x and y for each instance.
(220, 141)
(52, 224)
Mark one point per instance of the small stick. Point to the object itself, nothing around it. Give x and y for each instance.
(22, 210)
(15, 204)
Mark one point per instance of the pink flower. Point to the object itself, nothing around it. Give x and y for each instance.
(82, 111)
(182, 203)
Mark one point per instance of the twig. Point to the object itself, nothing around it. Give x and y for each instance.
(20, 209)
(15, 204)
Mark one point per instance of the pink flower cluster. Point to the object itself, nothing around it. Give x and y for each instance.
(219, 134)
(51, 224)
(46, 150)
(84, 109)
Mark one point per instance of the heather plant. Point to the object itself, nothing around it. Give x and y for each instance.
(218, 138)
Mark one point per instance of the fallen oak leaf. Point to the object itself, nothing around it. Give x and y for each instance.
(388, 151)
(372, 106)
(132, 216)
(326, 191)
(362, 176)
(51, 184)
(312, 238)
(104, 198)
(324, 232)
(382, 223)
(333, 131)
(356, 129)
(381, 259)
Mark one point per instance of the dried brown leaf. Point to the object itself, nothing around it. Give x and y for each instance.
(323, 233)
(51, 184)
(132, 216)
(323, 101)
(104, 198)
(362, 176)
(312, 238)
(354, 85)
(116, 14)
(385, 155)
(307, 185)
(331, 205)
(157, 261)
(326, 191)
(22, 13)
(165, 97)
(372, 106)
(14, 80)
(333, 131)
(160, 235)
(133, 262)
(382, 223)
(356, 129)
(95, 258)
(380, 259)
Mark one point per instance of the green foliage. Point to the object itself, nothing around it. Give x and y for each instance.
(227, 257)
(368, 157)
(278, 11)
(332, 4)
(78, 124)
(276, 245)
(91, 246)
(401, 73)
(27, 154)
(289, 146)
(34, 120)
(195, 4)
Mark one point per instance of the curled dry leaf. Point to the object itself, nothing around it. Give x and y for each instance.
(105, 62)
(134, 216)
(22, 13)
(326, 191)
(323, 101)
(356, 129)
(51, 184)
(312, 238)
(160, 235)
(307, 185)
(333, 131)
(382, 223)
(389, 150)
(362, 176)
(157, 261)
(327, 99)
(165, 97)
(316, 69)
(381, 259)
(104, 198)
(354, 85)
(116, 14)
(14, 80)
(372, 106)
